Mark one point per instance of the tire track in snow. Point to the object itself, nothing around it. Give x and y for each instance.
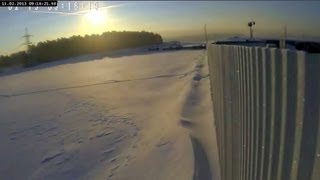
(202, 169)
(101, 83)
(201, 164)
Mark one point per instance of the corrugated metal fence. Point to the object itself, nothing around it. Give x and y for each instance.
(267, 112)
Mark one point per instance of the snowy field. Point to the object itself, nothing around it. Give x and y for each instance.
(132, 116)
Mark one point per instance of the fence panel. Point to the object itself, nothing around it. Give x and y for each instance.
(266, 105)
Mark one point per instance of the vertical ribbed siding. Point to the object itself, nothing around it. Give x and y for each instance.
(257, 99)
(265, 92)
(246, 113)
(283, 118)
(241, 114)
(276, 111)
(298, 116)
(292, 75)
(260, 113)
(310, 117)
(266, 106)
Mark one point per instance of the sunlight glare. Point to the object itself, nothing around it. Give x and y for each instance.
(96, 17)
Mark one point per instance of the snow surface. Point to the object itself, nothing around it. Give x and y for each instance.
(129, 116)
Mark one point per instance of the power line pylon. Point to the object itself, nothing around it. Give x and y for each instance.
(27, 36)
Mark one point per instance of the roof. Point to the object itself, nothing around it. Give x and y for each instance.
(239, 39)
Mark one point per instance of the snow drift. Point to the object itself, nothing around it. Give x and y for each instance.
(146, 116)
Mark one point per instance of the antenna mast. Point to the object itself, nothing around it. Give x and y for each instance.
(250, 25)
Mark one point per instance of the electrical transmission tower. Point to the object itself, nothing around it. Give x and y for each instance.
(27, 36)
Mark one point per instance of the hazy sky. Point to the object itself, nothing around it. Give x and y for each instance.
(173, 20)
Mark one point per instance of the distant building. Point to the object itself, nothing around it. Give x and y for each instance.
(242, 42)
(310, 47)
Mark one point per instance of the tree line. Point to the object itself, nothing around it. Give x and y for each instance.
(79, 45)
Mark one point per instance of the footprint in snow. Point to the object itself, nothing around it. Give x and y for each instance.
(51, 156)
(186, 123)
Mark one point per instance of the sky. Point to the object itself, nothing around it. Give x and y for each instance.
(174, 20)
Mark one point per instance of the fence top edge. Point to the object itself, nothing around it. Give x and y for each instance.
(268, 49)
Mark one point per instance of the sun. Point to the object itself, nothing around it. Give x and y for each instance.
(94, 22)
(96, 17)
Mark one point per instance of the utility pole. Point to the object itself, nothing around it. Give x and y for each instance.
(205, 32)
(206, 35)
(284, 39)
(27, 36)
(285, 31)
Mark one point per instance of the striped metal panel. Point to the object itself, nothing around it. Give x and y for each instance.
(266, 105)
